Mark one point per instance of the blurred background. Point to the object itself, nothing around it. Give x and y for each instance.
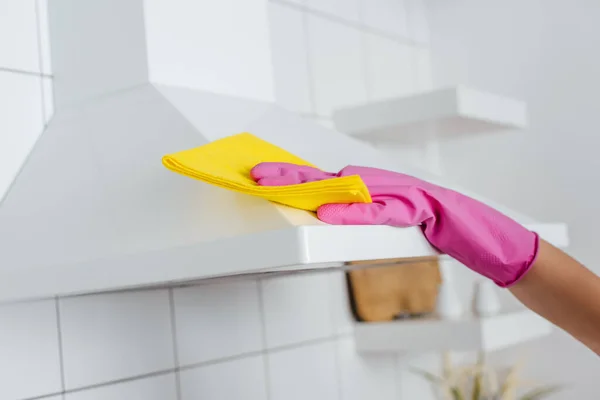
(290, 337)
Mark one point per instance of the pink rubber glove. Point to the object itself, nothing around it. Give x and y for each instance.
(478, 236)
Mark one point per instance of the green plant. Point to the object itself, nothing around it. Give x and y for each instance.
(481, 382)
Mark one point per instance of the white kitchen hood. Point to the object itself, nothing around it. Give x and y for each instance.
(93, 209)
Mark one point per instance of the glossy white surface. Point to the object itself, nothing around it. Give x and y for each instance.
(348, 10)
(336, 65)
(290, 61)
(45, 58)
(362, 375)
(19, 46)
(21, 122)
(29, 353)
(307, 372)
(296, 309)
(217, 320)
(204, 45)
(106, 337)
(236, 379)
(96, 60)
(388, 16)
(418, 26)
(390, 68)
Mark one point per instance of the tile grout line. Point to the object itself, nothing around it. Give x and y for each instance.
(61, 356)
(314, 116)
(119, 381)
(223, 360)
(40, 57)
(308, 342)
(24, 72)
(45, 396)
(414, 55)
(336, 349)
(175, 343)
(241, 356)
(407, 11)
(207, 281)
(364, 48)
(351, 24)
(309, 71)
(338, 370)
(263, 323)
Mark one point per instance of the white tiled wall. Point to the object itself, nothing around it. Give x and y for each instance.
(274, 338)
(115, 331)
(333, 53)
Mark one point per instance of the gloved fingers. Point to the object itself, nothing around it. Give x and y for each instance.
(399, 212)
(283, 174)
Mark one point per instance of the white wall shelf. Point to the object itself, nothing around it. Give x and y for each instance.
(468, 333)
(439, 113)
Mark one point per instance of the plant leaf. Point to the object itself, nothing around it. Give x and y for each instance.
(537, 394)
(427, 375)
(477, 386)
(510, 382)
(447, 365)
(457, 394)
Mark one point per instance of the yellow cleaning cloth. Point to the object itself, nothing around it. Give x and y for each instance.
(227, 163)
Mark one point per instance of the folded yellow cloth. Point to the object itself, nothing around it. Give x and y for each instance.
(227, 163)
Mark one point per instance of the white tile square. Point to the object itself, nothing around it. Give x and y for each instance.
(296, 309)
(365, 377)
(232, 380)
(114, 336)
(341, 311)
(290, 58)
(389, 16)
(29, 350)
(336, 64)
(390, 68)
(21, 122)
(217, 320)
(19, 47)
(345, 9)
(161, 387)
(423, 68)
(44, 36)
(418, 24)
(218, 46)
(98, 47)
(48, 98)
(307, 372)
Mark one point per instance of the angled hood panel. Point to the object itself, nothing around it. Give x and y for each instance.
(94, 187)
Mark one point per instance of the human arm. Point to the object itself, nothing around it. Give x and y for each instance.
(563, 291)
(542, 277)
